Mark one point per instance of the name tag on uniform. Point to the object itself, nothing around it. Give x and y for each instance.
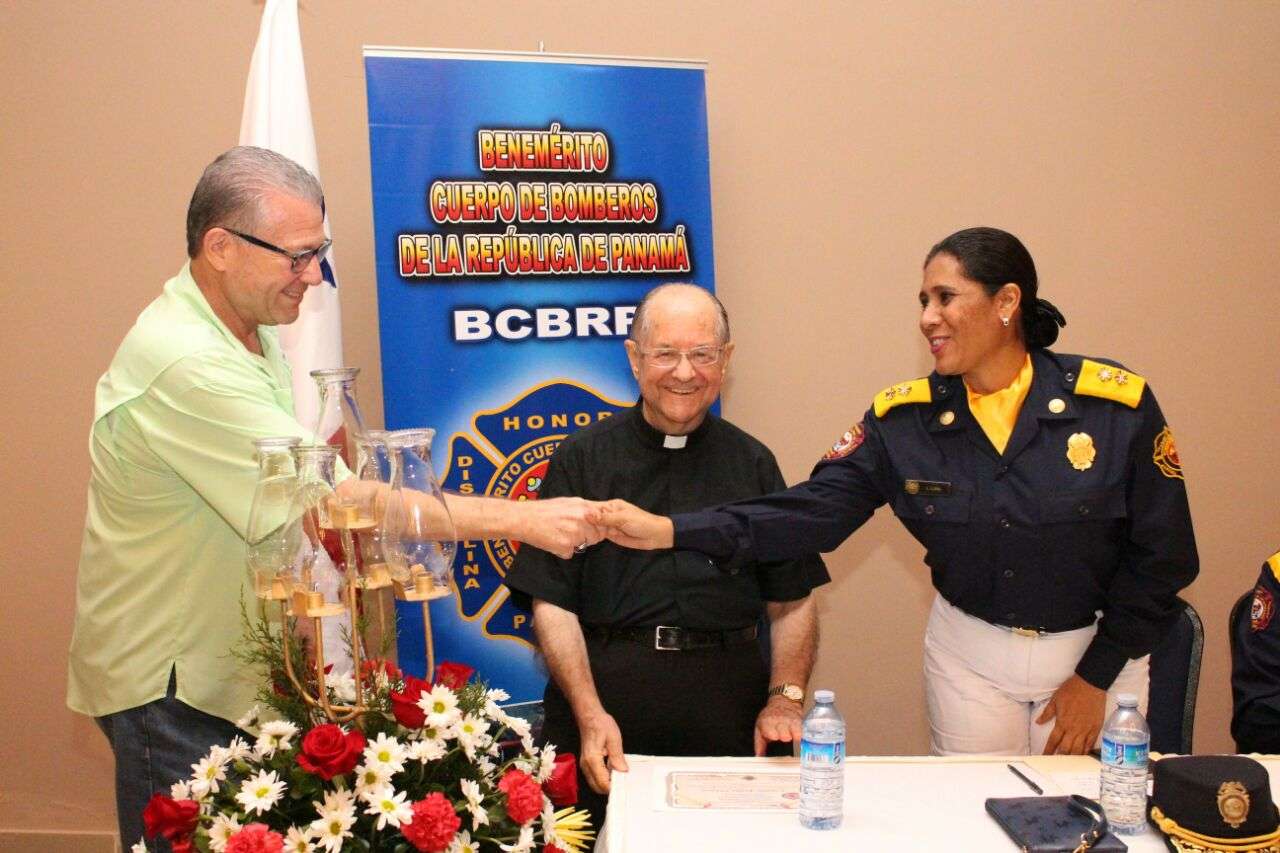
(927, 487)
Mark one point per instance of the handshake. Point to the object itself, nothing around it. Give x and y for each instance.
(561, 526)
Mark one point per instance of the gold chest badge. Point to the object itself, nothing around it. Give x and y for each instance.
(1080, 451)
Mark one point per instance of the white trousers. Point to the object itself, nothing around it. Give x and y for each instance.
(985, 685)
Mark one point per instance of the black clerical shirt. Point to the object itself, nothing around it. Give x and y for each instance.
(624, 457)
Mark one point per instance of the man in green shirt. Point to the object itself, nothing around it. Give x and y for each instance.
(197, 379)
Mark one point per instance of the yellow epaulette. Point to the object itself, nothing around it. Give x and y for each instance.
(1110, 383)
(1274, 562)
(915, 391)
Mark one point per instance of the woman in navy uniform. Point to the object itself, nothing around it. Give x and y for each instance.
(1047, 492)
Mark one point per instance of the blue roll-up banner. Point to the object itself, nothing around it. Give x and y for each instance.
(523, 204)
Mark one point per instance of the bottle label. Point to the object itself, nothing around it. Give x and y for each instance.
(1123, 754)
(821, 754)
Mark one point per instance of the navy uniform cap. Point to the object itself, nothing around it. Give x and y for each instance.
(1214, 803)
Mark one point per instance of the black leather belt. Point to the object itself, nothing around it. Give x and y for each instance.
(667, 638)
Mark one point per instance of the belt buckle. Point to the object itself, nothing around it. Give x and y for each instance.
(666, 638)
(1026, 632)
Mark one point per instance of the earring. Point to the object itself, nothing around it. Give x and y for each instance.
(1004, 321)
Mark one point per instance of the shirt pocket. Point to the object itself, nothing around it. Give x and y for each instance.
(1082, 506)
(953, 508)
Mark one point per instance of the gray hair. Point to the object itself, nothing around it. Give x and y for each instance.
(230, 191)
(640, 322)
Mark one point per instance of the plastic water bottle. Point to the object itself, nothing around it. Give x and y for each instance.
(1123, 787)
(822, 764)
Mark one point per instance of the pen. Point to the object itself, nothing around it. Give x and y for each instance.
(1032, 785)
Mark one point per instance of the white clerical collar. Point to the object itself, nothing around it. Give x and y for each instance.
(674, 442)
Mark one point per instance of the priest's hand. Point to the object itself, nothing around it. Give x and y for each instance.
(779, 720)
(1076, 708)
(631, 527)
(601, 750)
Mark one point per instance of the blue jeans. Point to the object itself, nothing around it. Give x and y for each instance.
(155, 745)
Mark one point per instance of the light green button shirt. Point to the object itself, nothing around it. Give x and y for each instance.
(162, 565)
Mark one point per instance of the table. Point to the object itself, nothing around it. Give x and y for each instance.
(890, 803)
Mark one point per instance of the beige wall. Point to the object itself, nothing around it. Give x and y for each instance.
(1132, 146)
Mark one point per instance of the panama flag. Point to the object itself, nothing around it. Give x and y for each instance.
(277, 115)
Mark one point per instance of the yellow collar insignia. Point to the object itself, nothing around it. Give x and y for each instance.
(1110, 383)
(1274, 562)
(915, 391)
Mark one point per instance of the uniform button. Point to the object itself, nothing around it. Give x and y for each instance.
(1005, 523)
(1082, 509)
(928, 510)
(1008, 573)
(1070, 377)
(1002, 470)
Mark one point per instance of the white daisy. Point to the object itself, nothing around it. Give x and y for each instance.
(338, 800)
(259, 793)
(518, 725)
(138, 848)
(206, 774)
(249, 720)
(471, 790)
(180, 790)
(547, 765)
(427, 749)
(485, 765)
(523, 844)
(526, 744)
(276, 734)
(298, 840)
(224, 826)
(389, 806)
(440, 706)
(472, 733)
(386, 751)
(462, 843)
(238, 749)
(333, 827)
(371, 777)
(491, 700)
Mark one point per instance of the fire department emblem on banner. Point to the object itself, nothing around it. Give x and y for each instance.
(507, 456)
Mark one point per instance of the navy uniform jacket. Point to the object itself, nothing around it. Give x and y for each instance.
(1255, 666)
(1031, 538)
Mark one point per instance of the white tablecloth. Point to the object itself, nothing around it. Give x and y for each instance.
(909, 803)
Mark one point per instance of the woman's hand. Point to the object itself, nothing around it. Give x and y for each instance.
(1077, 708)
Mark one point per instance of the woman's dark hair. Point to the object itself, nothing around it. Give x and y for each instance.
(994, 258)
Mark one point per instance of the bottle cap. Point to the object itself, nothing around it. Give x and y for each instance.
(824, 696)
(1127, 700)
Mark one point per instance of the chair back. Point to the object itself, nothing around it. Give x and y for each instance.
(1175, 677)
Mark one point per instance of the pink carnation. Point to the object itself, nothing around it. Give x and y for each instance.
(524, 796)
(255, 838)
(434, 824)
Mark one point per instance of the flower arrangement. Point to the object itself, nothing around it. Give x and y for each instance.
(429, 767)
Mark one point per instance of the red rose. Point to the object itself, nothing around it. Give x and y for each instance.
(405, 704)
(551, 848)
(255, 838)
(434, 824)
(174, 820)
(454, 675)
(328, 751)
(369, 668)
(524, 797)
(562, 786)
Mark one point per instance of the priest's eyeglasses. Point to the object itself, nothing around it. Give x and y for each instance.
(298, 261)
(668, 358)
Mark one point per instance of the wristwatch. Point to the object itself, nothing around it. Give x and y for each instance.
(794, 692)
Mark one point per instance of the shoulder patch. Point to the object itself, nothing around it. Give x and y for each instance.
(1261, 610)
(1110, 383)
(1165, 455)
(847, 443)
(914, 391)
(1274, 562)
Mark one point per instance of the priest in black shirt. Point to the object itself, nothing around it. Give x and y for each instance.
(655, 652)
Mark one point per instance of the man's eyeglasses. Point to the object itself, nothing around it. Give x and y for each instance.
(668, 358)
(298, 261)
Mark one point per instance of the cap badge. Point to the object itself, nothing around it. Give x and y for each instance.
(1080, 451)
(1233, 803)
